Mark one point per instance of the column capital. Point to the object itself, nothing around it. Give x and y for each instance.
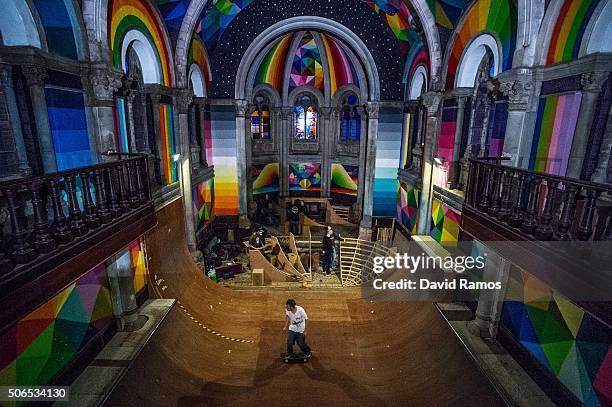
(519, 93)
(242, 107)
(6, 75)
(593, 81)
(431, 100)
(461, 101)
(325, 112)
(183, 99)
(287, 111)
(155, 98)
(372, 109)
(105, 83)
(34, 75)
(200, 102)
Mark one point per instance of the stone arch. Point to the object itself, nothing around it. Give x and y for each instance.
(342, 91)
(546, 30)
(196, 79)
(269, 91)
(598, 34)
(151, 66)
(418, 82)
(18, 25)
(318, 95)
(472, 56)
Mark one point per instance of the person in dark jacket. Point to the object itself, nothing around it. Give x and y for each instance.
(294, 217)
(328, 251)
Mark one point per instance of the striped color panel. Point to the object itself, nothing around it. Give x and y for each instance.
(388, 149)
(166, 120)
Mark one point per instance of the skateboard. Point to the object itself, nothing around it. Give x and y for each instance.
(295, 357)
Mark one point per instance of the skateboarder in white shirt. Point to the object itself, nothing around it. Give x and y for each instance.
(296, 324)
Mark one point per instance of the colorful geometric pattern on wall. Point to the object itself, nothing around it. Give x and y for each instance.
(126, 15)
(574, 346)
(341, 69)
(445, 223)
(271, 69)
(344, 179)
(173, 12)
(203, 202)
(446, 12)
(265, 178)
(569, 30)
(407, 206)
(198, 55)
(304, 177)
(66, 109)
(307, 68)
(138, 266)
(41, 344)
(554, 133)
(217, 17)
(446, 146)
(498, 17)
(224, 158)
(388, 149)
(55, 18)
(168, 142)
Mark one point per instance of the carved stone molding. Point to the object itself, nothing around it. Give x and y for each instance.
(519, 93)
(155, 98)
(372, 109)
(183, 100)
(242, 107)
(593, 81)
(325, 112)
(34, 75)
(432, 100)
(348, 148)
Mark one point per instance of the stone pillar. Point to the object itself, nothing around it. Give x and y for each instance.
(591, 88)
(327, 148)
(363, 139)
(241, 112)
(119, 273)
(182, 101)
(248, 146)
(365, 227)
(456, 165)
(432, 101)
(519, 127)
(158, 167)
(104, 83)
(200, 105)
(35, 78)
(488, 311)
(23, 165)
(600, 173)
(285, 136)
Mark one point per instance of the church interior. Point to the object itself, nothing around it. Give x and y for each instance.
(173, 171)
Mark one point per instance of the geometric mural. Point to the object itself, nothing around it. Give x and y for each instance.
(265, 178)
(307, 68)
(344, 179)
(203, 201)
(575, 347)
(445, 223)
(408, 206)
(304, 177)
(41, 344)
(138, 266)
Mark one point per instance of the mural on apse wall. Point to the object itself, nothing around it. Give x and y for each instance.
(224, 158)
(56, 22)
(166, 120)
(307, 68)
(446, 146)
(218, 16)
(272, 67)
(203, 201)
(446, 12)
(573, 345)
(407, 206)
(445, 223)
(341, 69)
(173, 12)
(344, 179)
(40, 345)
(68, 122)
(494, 16)
(569, 30)
(197, 55)
(304, 177)
(265, 178)
(388, 149)
(126, 15)
(554, 133)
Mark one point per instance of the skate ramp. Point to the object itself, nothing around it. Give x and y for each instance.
(366, 354)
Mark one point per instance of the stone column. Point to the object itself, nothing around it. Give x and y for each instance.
(119, 273)
(248, 146)
(432, 101)
(158, 167)
(23, 165)
(200, 105)
(104, 84)
(327, 149)
(182, 101)
(456, 165)
(591, 88)
(365, 227)
(241, 112)
(519, 127)
(285, 135)
(35, 78)
(363, 139)
(600, 173)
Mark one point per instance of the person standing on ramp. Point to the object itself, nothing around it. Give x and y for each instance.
(296, 324)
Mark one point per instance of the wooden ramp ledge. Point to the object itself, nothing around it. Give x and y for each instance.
(271, 274)
(300, 266)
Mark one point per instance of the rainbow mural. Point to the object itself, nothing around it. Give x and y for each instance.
(126, 15)
(388, 150)
(198, 55)
(445, 224)
(574, 346)
(554, 133)
(203, 201)
(166, 120)
(494, 16)
(265, 178)
(224, 158)
(569, 30)
(271, 69)
(341, 69)
(40, 345)
(407, 206)
(344, 179)
(446, 144)
(307, 67)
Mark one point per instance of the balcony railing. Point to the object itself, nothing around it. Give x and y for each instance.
(540, 206)
(50, 220)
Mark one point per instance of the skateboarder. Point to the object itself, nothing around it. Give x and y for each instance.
(296, 324)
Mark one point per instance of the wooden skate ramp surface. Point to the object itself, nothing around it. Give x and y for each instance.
(364, 353)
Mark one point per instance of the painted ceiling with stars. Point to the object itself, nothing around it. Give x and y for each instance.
(389, 28)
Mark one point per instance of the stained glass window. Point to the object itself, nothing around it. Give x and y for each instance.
(305, 122)
(260, 120)
(350, 123)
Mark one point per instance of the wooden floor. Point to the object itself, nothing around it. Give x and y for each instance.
(364, 353)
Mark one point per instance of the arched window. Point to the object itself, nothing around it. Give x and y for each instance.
(260, 119)
(305, 119)
(350, 123)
